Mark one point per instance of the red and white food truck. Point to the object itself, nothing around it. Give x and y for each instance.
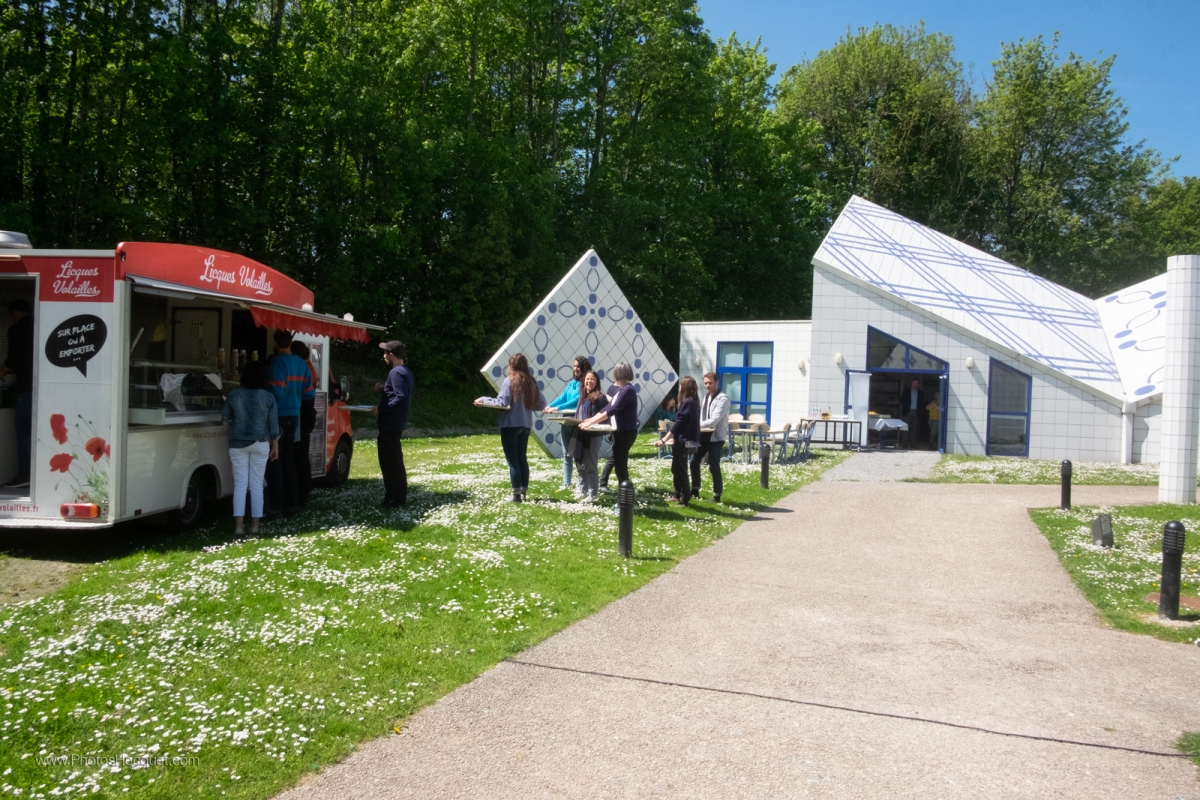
(135, 350)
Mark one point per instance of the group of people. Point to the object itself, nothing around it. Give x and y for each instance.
(699, 431)
(271, 417)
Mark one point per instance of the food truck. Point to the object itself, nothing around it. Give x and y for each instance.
(135, 351)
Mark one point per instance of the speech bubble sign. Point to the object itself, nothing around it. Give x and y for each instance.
(76, 341)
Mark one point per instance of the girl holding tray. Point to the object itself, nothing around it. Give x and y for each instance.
(521, 394)
(568, 400)
(686, 436)
(585, 445)
(623, 411)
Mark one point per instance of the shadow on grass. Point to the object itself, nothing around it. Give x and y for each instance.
(156, 534)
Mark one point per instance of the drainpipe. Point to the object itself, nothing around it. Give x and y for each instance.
(1128, 413)
(1181, 383)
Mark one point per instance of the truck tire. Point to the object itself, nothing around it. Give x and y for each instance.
(197, 504)
(339, 468)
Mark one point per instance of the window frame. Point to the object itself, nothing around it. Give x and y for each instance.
(1027, 414)
(743, 372)
(908, 351)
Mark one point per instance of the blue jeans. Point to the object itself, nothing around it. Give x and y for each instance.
(515, 442)
(24, 426)
(568, 433)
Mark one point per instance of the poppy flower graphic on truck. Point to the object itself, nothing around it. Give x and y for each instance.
(82, 466)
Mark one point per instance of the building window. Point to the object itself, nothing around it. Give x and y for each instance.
(888, 354)
(744, 372)
(1009, 397)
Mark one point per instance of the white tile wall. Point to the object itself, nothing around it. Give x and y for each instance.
(1147, 432)
(1181, 392)
(1067, 421)
(792, 339)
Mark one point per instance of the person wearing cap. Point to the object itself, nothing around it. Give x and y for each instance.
(392, 412)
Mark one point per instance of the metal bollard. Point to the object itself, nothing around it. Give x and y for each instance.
(1172, 565)
(764, 461)
(1066, 485)
(625, 497)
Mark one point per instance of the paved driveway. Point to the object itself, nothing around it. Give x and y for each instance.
(860, 640)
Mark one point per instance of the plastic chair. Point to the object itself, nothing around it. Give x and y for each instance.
(664, 427)
(735, 429)
(780, 442)
(804, 441)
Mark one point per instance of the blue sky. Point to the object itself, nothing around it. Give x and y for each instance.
(1156, 42)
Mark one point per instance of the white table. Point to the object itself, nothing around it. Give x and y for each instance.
(886, 425)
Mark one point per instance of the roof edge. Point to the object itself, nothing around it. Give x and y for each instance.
(1023, 359)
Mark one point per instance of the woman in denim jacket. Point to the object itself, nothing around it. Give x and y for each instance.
(253, 439)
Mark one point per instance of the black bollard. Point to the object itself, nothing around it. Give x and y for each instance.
(1172, 565)
(1066, 485)
(764, 461)
(625, 523)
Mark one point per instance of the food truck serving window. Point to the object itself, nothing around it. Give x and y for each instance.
(183, 357)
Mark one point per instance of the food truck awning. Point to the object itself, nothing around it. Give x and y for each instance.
(270, 315)
(311, 323)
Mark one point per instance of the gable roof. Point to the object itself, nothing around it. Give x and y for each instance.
(1036, 318)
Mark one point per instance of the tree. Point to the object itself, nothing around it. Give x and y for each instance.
(893, 110)
(1060, 189)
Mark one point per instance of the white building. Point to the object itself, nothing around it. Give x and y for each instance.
(1024, 366)
(762, 366)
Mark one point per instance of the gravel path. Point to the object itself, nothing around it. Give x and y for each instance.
(859, 640)
(876, 466)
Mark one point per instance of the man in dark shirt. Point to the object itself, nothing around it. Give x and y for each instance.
(912, 407)
(20, 363)
(392, 411)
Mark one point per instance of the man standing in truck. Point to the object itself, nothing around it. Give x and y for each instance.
(20, 363)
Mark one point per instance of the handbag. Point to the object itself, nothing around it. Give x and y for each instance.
(691, 447)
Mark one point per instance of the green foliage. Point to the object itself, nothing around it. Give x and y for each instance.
(893, 111)
(434, 165)
(1190, 743)
(1060, 188)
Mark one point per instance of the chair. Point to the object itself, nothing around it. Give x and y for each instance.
(804, 441)
(735, 428)
(664, 427)
(757, 431)
(780, 441)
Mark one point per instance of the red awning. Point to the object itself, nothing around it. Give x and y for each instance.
(312, 324)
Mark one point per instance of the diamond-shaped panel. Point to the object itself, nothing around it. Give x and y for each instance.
(586, 314)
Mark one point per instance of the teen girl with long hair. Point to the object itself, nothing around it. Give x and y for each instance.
(686, 436)
(585, 445)
(521, 394)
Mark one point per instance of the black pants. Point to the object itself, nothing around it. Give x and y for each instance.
(714, 451)
(515, 443)
(281, 473)
(679, 471)
(608, 468)
(622, 443)
(391, 464)
(308, 421)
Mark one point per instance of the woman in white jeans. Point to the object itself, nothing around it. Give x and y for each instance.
(253, 439)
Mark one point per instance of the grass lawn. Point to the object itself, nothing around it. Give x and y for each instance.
(998, 469)
(257, 661)
(1116, 581)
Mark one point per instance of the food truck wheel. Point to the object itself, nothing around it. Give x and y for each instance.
(339, 468)
(196, 504)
